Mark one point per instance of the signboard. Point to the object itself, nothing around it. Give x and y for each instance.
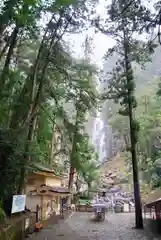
(126, 207)
(18, 203)
(27, 223)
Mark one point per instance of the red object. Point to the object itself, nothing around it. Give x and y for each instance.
(38, 226)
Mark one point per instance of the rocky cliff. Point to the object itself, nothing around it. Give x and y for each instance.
(116, 173)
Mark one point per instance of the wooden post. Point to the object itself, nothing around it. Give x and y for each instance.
(151, 212)
(157, 212)
(145, 212)
(43, 204)
(37, 213)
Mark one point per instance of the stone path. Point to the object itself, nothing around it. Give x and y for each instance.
(81, 227)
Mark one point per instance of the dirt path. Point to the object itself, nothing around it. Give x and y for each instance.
(81, 227)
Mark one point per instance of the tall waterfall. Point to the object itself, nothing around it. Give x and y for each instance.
(102, 135)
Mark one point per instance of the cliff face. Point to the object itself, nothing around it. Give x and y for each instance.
(115, 174)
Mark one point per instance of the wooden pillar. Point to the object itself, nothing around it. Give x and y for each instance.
(37, 213)
(157, 211)
(145, 212)
(58, 204)
(151, 212)
(43, 204)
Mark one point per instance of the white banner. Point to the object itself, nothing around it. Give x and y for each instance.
(18, 203)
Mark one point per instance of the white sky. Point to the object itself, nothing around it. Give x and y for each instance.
(101, 43)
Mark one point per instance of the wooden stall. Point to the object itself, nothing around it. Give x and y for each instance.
(44, 194)
(152, 211)
(50, 199)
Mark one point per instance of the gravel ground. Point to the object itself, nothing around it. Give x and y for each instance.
(81, 227)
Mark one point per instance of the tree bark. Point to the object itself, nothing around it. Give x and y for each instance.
(4, 49)
(5, 70)
(78, 184)
(52, 145)
(72, 156)
(29, 88)
(7, 14)
(71, 178)
(26, 156)
(138, 207)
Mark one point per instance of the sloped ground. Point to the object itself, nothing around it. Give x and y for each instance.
(114, 173)
(81, 227)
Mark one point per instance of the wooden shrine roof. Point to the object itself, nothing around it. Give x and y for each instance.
(50, 190)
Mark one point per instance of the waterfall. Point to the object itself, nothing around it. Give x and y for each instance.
(97, 136)
(102, 136)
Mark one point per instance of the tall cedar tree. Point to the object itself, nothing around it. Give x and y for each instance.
(125, 20)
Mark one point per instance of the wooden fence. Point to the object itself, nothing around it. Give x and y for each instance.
(17, 228)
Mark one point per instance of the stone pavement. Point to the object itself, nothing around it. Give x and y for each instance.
(81, 227)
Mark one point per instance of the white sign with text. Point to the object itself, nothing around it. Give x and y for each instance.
(18, 203)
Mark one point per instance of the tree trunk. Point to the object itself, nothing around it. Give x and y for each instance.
(72, 156)
(126, 140)
(72, 167)
(26, 157)
(4, 49)
(78, 184)
(32, 78)
(29, 88)
(71, 178)
(89, 187)
(17, 115)
(52, 146)
(138, 208)
(5, 70)
(7, 14)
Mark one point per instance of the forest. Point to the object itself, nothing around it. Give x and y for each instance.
(46, 93)
(40, 80)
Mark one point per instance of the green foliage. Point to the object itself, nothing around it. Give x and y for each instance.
(63, 2)
(40, 82)
(87, 161)
(148, 145)
(149, 138)
(121, 78)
